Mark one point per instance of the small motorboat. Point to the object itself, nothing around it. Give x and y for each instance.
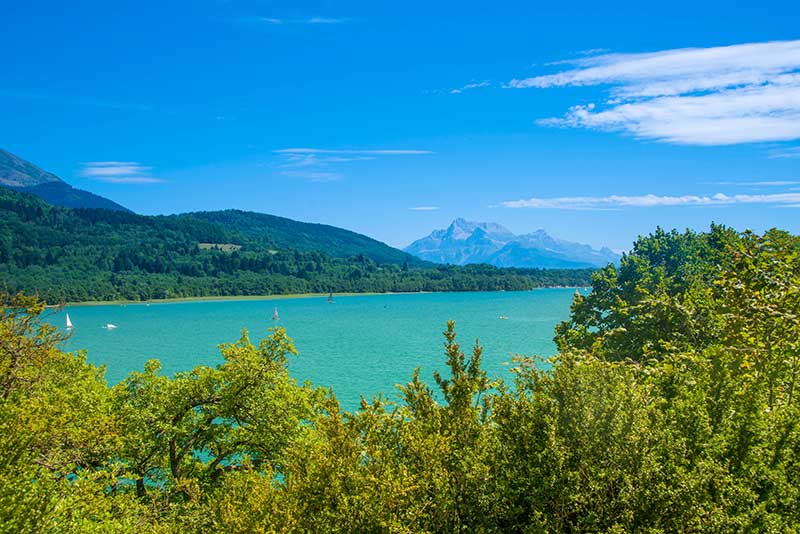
(110, 326)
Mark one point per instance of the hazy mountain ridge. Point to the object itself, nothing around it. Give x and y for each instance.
(21, 175)
(466, 242)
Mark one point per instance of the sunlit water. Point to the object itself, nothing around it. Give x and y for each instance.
(359, 345)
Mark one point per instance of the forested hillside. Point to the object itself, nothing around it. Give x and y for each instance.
(88, 254)
(672, 406)
(282, 233)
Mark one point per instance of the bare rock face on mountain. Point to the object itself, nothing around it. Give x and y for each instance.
(23, 176)
(466, 242)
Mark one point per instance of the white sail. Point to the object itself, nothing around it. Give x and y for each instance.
(69, 323)
(275, 316)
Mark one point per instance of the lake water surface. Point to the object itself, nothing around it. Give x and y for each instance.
(359, 345)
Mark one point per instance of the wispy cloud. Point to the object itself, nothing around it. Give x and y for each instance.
(315, 163)
(308, 160)
(424, 208)
(792, 152)
(314, 176)
(592, 51)
(651, 201)
(328, 20)
(119, 172)
(276, 21)
(469, 86)
(380, 152)
(697, 96)
(765, 183)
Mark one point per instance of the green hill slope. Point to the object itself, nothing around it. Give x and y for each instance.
(283, 233)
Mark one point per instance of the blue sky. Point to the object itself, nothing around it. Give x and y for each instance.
(595, 122)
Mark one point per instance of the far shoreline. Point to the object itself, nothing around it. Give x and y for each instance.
(222, 298)
(217, 298)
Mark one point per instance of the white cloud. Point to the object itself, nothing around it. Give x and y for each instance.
(303, 159)
(392, 152)
(768, 183)
(699, 96)
(472, 85)
(314, 176)
(424, 208)
(327, 20)
(785, 153)
(651, 201)
(314, 163)
(119, 172)
(593, 51)
(131, 180)
(276, 21)
(346, 159)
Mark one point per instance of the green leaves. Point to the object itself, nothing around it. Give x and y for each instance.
(657, 301)
(200, 424)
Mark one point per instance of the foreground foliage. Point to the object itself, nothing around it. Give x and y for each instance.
(671, 406)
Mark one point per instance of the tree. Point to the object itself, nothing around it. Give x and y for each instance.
(187, 430)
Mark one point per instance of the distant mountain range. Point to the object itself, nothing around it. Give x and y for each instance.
(465, 242)
(21, 175)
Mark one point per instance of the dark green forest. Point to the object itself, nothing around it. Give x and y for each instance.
(74, 255)
(671, 406)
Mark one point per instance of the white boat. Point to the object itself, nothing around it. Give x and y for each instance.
(110, 326)
(69, 323)
(275, 316)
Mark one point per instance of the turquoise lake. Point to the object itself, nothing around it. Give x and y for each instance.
(358, 345)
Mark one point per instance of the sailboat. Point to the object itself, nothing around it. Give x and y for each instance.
(275, 316)
(69, 323)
